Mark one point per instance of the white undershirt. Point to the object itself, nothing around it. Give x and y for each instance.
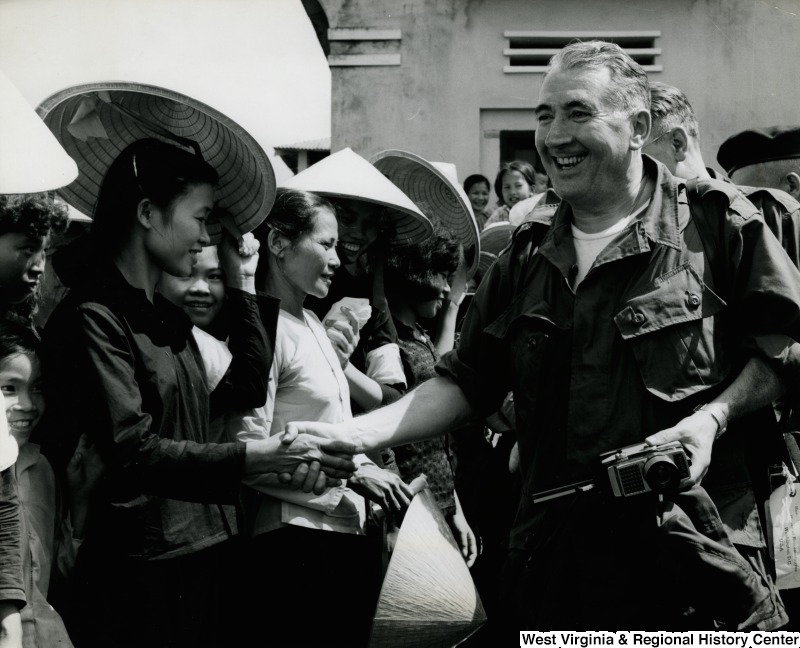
(589, 246)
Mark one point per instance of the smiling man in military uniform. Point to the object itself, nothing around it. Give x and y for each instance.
(612, 327)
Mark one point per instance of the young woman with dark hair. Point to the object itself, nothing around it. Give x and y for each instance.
(516, 181)
(121, 364)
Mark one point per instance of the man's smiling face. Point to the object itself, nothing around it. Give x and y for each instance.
(584, 136)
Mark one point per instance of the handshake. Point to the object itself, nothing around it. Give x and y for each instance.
(315, 459)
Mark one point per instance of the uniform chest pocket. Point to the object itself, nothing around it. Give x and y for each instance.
(674, 333)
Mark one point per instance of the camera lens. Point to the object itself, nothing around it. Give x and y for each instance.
(661, 473)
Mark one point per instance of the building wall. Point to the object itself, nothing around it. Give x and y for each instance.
(735, 59)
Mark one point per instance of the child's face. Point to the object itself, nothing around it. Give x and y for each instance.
(515, 188)
(202, 294)
(21, 386)
(478, 196)
(22, 261)
(430, 308)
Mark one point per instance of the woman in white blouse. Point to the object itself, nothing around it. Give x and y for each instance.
(314, 572)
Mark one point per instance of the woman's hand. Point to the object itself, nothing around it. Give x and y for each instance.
(84, 469)
(343, 335)
(464, 535)
(239, 260)
(458, 284)
(382, 487)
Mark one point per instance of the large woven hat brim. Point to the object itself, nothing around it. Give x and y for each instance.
(496, 237)
(347, 175)
(95, 122)
(31, 159)
(428, 598)
(439, 197)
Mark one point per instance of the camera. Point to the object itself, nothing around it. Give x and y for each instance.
(642, 468)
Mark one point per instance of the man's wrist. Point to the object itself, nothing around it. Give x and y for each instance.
(717, 412)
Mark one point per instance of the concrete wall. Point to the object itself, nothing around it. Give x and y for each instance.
(736, 60)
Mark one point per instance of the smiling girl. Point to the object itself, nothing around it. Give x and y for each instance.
(20, 383)
(121, 365)
(515, 182)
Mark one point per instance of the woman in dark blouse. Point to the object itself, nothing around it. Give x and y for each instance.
(120, 363)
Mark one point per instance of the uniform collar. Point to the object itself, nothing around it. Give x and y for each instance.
(659, 223)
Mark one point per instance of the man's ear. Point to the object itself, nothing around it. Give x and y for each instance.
(277, 243)
(641, 124)
(145, 212)
(679, 141)
(793, 181)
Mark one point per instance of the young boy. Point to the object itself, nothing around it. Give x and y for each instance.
(27, 222)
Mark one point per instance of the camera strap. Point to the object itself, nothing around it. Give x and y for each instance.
(563, 491)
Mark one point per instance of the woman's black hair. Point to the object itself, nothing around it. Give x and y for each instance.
(148, 168)
(476, 178)
(525, 168)
(16, 338)
(412, 273)
(35, 215)
(293, 215)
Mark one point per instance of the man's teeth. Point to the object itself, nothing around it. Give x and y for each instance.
(567, 162)
(350, 247)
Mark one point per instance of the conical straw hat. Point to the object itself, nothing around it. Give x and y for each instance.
(484, 263)
(345, 174)
(428, 597)
(496, 237)
(31, 159)
(95, 122)
(437, 193)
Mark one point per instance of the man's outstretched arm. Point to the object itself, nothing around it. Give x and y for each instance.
(435, 407)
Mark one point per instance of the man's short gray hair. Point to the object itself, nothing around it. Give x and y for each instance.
(629, 86)
(670, 107)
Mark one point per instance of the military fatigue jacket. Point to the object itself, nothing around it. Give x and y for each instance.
(643, 339)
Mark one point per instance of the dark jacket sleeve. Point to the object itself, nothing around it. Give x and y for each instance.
(764, 291)
(91, 381)
(253, 320)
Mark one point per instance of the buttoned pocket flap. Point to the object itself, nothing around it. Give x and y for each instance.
(677, 297)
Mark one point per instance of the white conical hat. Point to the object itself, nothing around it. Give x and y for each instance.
(97, 121)
(435, 190)
(345, 174)
(31, 159)
(428, 598)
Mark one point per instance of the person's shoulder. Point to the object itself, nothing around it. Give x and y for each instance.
(713, 194)
(769, 197)
(82, 302)
(520, 211)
